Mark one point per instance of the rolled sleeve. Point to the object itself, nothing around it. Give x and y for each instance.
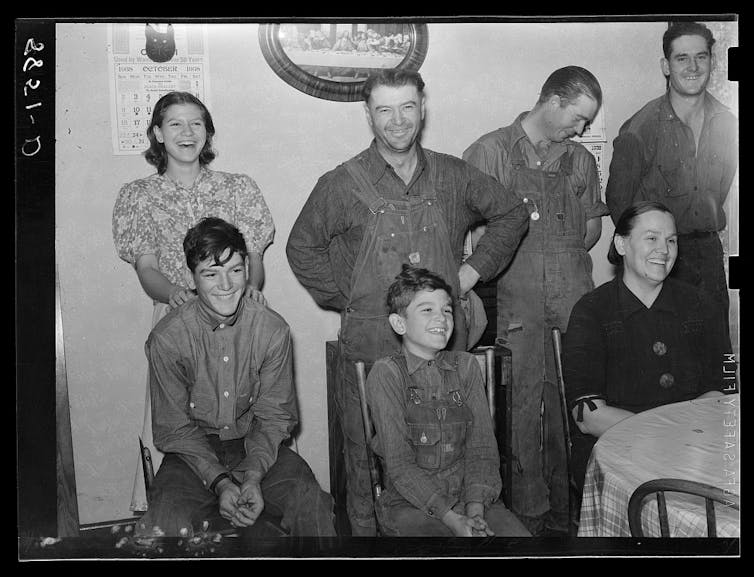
(626, 169)
(308, 247)
(590, 195)
(507, 222)
(482, 482)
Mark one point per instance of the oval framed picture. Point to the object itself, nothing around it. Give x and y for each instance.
(332, 61)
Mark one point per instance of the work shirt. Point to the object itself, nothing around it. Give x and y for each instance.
(655, 157)
(152, 216)
(433, 481)
(637, 358)
(326, 237)
(230, 377)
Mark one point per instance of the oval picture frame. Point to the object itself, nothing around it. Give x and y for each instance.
(336, 77)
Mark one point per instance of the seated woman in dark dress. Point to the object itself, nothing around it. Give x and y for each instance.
(642, 339)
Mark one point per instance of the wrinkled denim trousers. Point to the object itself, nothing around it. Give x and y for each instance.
(293, 500)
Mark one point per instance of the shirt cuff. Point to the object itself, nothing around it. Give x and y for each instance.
(479, 493)
(481, 265)
(212, 473)
(598, 209)
(438, 505)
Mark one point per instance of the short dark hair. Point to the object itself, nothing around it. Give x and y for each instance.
(678, 29)
(410, 281)
(393, 77)
(155, 154)
(210, 238)
(569, 83)
(626, 223)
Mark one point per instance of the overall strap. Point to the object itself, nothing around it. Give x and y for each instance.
(566, 162)
(516, 156)
(432, 172)
(365, 190)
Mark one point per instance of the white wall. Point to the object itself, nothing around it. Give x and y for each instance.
(479, 77)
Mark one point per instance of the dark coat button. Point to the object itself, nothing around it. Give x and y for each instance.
(659, 348)
(667, 380)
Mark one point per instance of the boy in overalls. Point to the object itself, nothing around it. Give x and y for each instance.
(434, 432)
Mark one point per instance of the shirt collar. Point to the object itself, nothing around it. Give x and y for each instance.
(629, 303)
(518, 131)
(213, 320)
(712, 107)
(414, 363)
(377, 165)
(203, 173)
(520, 138)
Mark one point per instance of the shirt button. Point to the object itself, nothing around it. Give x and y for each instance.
(226, 394)
(191, 405)
(659, 348)
(431, 511)
(539, 163)
(226, 427)
(225, 359)
(667, 380)
(222, 325)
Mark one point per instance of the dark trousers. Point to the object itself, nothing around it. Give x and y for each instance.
(701, 262)
(293, 500)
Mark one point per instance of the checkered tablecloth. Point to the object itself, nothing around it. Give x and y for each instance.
(696, 440)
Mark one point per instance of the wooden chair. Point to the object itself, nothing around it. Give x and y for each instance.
(486, 358)
(660, 486)
(573, 491)
(146, 465)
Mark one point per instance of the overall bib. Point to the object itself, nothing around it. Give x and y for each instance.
(410, 230)
(549, 273)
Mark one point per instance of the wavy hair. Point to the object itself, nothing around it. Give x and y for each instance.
(156, 154)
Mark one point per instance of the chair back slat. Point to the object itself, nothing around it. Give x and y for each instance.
(711, 519)
(366, 419)
(573, 488)
(662, 513)
(659, 487)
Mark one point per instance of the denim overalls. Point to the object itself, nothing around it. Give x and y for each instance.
(437, 429)
(549, 273)
(411, 230)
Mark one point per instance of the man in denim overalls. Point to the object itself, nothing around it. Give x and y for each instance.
(557, 181)
(393, 203)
